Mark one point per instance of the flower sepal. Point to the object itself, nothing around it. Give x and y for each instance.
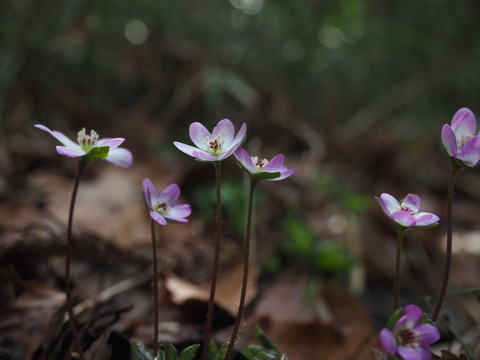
(264, 176)
(95, 153)
(394, 318)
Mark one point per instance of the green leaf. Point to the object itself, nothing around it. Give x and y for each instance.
(138, 352)
(220, 355)
(161, 355)
(251, 350)
(170, 352)
(263, 339)
(189, 352)
(212, 349)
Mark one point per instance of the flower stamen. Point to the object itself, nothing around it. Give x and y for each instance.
(214, 145)
(87, 142)
(259, 163)
(162, 207)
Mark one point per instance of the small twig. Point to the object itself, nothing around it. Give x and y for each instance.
(112, 291)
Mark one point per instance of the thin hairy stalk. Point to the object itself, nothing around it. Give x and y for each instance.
(68, 261)
(155, 290)
(246, 257)
(216, 261)
(448, 257)
(396, 287)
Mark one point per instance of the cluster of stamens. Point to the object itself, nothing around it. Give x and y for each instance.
(85, 141)
(407, 208)
(259, 163)
(464, 139)
(215, 144)
(407, 338)
(161, 207)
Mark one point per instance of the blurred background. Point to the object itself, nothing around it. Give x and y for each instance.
(354, 93)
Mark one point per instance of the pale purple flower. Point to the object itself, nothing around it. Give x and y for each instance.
(260, 169)
(409, 337)
(163, 207)
(91, 146)
(460, 140)
(215, 146)
(406, 212)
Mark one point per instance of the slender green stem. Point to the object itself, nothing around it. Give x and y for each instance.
(246, 257)
(396, 285)
(216, 261)
(448, 257)
(155, 291)
(68, 261)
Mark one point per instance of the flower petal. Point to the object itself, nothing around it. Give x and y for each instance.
(389, 204)
(204, 156)
(404, 218)
(237, 141)
(464, 123)
(408, 353)
(59, 136)
(198, 133)
(226, 130)
(187, 149)
(169, 195)
(245, 160)
(411, 314)
(274, 165)
(120, 157)
(412, 201)
(449, 140)
(110, 142)
(69, 151)
(470, 152)
(178, 213)
(387, 340)
(158, 218)
(284, 174)
(426, 219)
(150, 192)
(428, 334)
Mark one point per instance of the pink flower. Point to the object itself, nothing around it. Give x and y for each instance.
(91, 146)
(409, 337)
(215, 146)
(405, 213)
(260, 169)
(163, 207)
(459, 139)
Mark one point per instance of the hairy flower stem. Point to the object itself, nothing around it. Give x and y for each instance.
(448, 257)
(155, 291)
(216, 261)
(246, 257)
(68, 261)
(396, 285)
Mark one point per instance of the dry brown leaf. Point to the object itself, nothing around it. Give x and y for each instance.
(330, 325)
(228, 289)
(25, 322)
(379, 354)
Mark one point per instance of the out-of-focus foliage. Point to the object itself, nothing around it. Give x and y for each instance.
(346, 62)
